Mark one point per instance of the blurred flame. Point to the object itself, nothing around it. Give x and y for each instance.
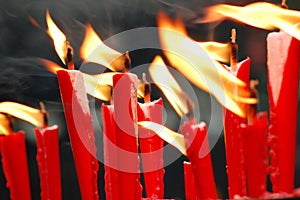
(59, 39)
(260, 14)
(196, 65)
(94, 50)
(217, 51)
(169, 86)
(5, 128)
(171, 137)
(26, 113)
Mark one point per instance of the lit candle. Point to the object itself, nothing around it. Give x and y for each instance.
(283, 76)
(48, 160)
(151, 145)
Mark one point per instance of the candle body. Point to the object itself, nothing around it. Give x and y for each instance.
(198, 152)
(233, 141)
(48, 162)
(15, 165)
(189, 182)
(81, 132)
(151, 146)
(255, 149)
(125, 115)
(283, 76)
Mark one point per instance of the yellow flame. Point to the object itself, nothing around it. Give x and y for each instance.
(260, 14)
(5, 128)
(59, 39)
(169, 86)
(217, 51)
(196, 65)
(171, 137)
(26, 113)
(94, 50)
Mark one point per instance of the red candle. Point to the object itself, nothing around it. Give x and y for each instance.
(151, 146)
(233, 142)
(255, 149)
(15, 166)
(110, 153)
(198, 152)
(48, 162)
(81, 132)
(189, 182)
(125, 115)
(283, 76)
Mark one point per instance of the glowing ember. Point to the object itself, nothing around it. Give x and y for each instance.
(169, 86)
(196, 65)
(261, 15)
(94, 50)
(59, 39)
(26, 113)
(171, 137)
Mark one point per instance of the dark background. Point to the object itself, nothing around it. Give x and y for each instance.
(23, 79)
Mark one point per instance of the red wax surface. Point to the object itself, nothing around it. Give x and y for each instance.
(233, 142)
(283, 77)
(189, 182)
(151, 146)
(255, 148)
(48, 162)
(81, 132)
(110, 153)
(198, 152)
(125, 115)
(15, 165)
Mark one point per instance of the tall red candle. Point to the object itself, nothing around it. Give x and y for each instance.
(198, 152)
(125, 115)
(15, 166)
(189, 182)
(48, 162)
(110, 153)
(255, 149)
(81, 132)
(233, 141)
(151, 146)
(283, 76)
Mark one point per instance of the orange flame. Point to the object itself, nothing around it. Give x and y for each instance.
(169, 86)
(26, 113)
(59, 39)
(94, 50)
(217, 51)
(260, 14)
(196, 65)
(5, 128)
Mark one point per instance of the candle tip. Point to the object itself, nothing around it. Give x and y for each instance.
(127, 62)
(69, 56)
(234, 48)
(233, 35)
(147, 88)
(45, 114)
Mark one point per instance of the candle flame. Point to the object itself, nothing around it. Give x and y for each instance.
(260, 15)
(26, 113)
(5, 128)
(94, 50)
(169, 86)
(217, 51)
(171, 137)
(196, 65)
(59, 39)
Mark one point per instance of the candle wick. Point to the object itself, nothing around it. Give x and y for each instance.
(190, 114)
(253, 107)
(45, 114)
(127, 63)
(69, 56)
(147, 89)
(233, 53)
(283, 4)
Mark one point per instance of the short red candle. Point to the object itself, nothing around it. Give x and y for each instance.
(233, 141)
(125, 115)
(198, 152)
(81, 132)
(283, 76)
(48, 162)
(15, 165)
(151, 146)
(255, 149)
(189, 182)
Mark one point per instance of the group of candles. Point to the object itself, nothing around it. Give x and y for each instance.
(129, 126)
